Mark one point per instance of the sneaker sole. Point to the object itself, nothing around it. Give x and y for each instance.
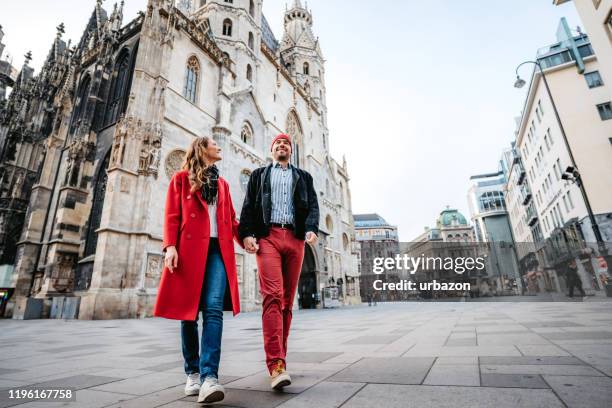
(215, 396)
(281, 384)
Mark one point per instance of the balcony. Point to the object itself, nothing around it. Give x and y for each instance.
(522, 175)
(531, 215)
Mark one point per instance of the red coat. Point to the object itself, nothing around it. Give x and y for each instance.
(187, 227)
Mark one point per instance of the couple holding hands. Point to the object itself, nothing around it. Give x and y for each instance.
(280, 212)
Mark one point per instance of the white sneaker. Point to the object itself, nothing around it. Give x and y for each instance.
(192, 386)
(211, 391)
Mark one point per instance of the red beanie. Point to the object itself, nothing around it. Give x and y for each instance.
(281, 136)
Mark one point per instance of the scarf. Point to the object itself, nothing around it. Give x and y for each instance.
(209, 189)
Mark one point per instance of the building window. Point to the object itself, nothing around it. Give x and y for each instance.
(306, 68)
(251, 41)
(246, 134)
(329, 224)
(605, 110)
(540, 106)
(119, 88)
(202, 3)
(249, 72)
(80, 102)
(252, 8)
(550, 137)
(227, 27)
(593, 79)
(229, 1)
(569, 200)
(191, 79)
(596, 4)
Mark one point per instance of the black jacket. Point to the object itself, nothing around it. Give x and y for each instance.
(257, 206)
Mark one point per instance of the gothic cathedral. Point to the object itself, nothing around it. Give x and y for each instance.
(88, 146)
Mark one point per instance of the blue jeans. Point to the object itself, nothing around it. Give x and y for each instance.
(206, 362)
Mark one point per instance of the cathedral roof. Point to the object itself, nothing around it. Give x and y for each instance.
(267, 35)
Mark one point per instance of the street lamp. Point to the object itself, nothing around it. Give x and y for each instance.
(572, 173)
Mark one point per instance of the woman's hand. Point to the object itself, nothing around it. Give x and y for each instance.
(171, 258)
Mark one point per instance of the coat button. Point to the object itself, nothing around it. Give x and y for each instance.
(192, 215)
(188, 236)
(188, 197)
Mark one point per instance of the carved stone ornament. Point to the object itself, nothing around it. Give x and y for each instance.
(173, 162)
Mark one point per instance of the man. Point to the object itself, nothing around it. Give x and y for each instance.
(279, 213)
(573, 279)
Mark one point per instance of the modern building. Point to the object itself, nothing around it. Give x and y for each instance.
(596, 16)
(487, 204)
(553, 214)
(376, 238)
(88, 163)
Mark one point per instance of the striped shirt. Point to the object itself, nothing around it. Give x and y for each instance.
(281, 184)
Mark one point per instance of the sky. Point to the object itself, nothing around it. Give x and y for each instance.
(420, 94)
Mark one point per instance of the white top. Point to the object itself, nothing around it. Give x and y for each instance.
(212, 214)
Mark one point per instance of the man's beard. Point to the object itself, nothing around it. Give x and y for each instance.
(282, 155)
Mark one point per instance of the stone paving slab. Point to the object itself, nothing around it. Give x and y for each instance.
(513, 380)
(386, 370)
(529, 360)
(583, 392)
(403, 396)
(540, 369)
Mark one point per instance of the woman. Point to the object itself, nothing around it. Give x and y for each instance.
(199, 266)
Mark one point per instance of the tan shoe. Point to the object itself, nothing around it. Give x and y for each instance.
(279, 377)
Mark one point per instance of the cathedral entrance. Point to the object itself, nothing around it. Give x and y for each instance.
(307, 287)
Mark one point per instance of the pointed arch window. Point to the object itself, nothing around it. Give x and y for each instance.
(119, 88)
(252, 8)
(306, 69)
(80, 102)
(251, 41)
(249, 72)
(246, 134)
(191, 79)
(294, 129)
(227, 27)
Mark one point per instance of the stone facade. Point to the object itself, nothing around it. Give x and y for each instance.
(129, 101)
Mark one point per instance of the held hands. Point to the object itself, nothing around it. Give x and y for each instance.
(250, 245)
(171, 258)
(311, 237)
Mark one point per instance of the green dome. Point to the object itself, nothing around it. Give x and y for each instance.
(451, 217)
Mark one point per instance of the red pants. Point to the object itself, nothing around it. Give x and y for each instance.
(279, 260)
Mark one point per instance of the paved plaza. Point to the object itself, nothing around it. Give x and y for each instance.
(537, 354)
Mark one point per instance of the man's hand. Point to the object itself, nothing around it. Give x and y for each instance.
(171, 258)
(250, 245)
(311, 237)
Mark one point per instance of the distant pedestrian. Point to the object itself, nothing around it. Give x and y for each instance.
(573, 279)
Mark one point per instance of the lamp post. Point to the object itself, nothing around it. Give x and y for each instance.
(573, 169)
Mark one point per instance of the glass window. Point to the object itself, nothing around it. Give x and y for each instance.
(191, 79)
(605, 110)
(227, 27)
(585, 50)
(593, 79)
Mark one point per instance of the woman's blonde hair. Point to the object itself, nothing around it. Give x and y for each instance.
(195, 164)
